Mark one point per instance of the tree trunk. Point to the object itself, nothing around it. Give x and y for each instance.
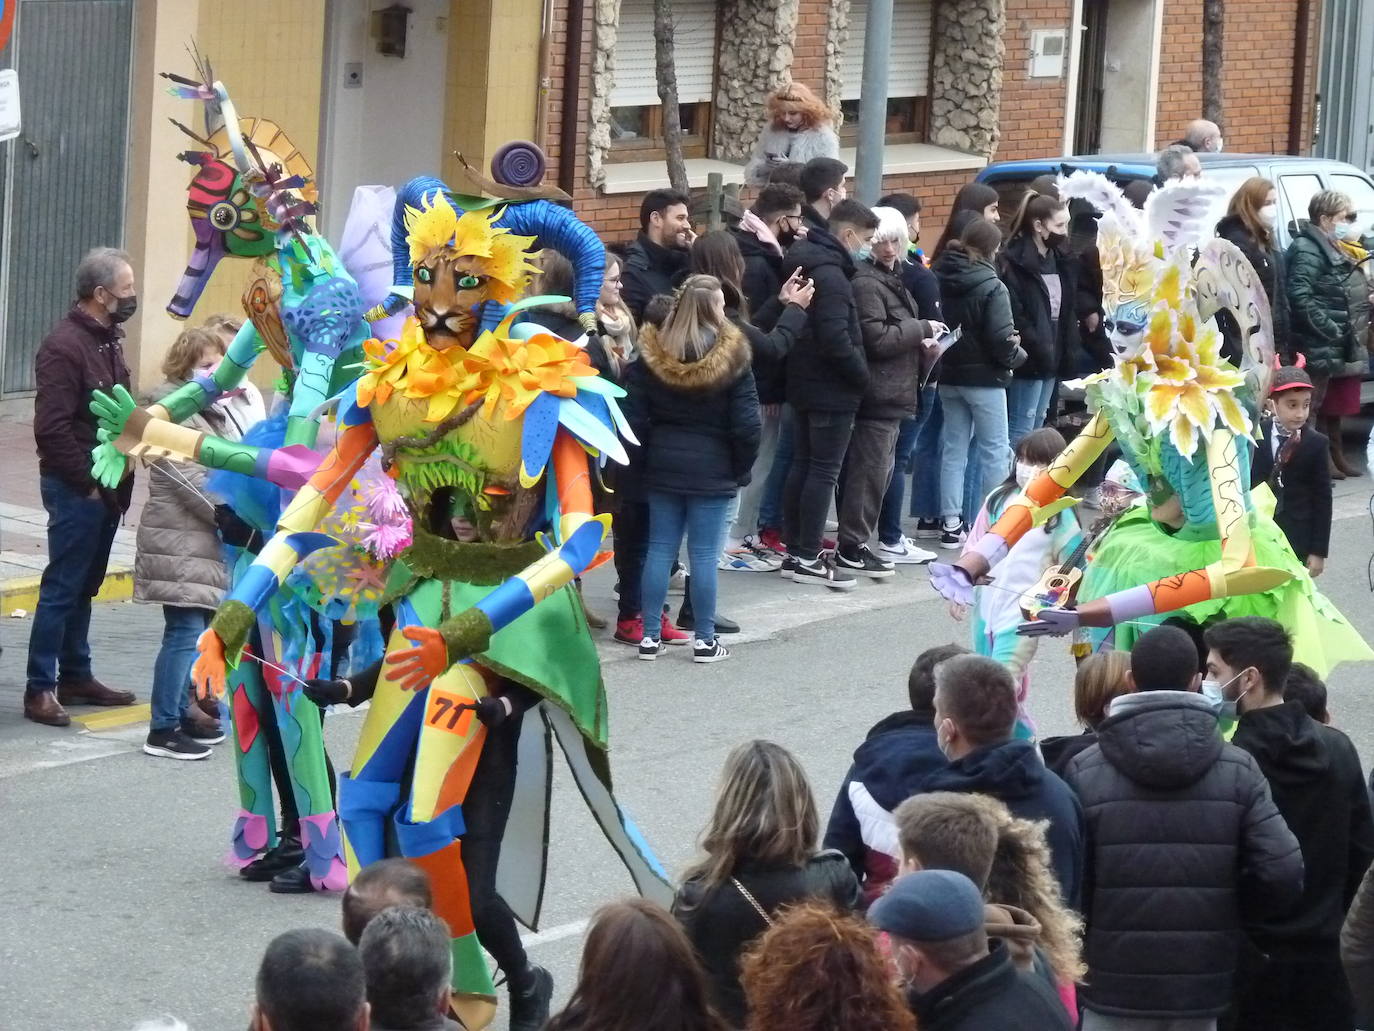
(1213, 29)
(666, 73)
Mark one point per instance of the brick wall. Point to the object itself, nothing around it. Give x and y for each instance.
(1032, 109)
(1257, 74)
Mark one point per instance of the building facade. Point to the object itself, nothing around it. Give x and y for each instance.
(970, 81)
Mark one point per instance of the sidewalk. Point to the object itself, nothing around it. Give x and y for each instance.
(23, 523)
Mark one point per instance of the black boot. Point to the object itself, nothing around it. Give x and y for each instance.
(295, 881)
(685, 620)
(285, 854)
(530, 996)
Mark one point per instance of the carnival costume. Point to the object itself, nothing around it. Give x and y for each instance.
(1201, 546)
(491, 435)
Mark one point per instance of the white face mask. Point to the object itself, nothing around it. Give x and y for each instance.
(1343, 230)
(1269, 214)
(1217, 148)
(1025, 472)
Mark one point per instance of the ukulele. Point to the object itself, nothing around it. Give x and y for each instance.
(1058, 586)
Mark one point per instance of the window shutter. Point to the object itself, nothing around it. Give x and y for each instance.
(694, 52)
(908, 61)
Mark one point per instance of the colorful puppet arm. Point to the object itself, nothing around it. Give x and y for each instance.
(148, 439)
(112, 410)
(108, 465)
(1042, 499)
(202, 391)
(208, 673)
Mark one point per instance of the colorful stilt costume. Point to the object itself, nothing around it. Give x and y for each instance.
(249, 199)
(493, 437)
(1201, 547)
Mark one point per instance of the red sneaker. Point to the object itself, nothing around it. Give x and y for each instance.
(629, 631)
(771, 537)
(670, 634)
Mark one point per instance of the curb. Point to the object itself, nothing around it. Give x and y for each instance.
(21, 592)
(110, 719)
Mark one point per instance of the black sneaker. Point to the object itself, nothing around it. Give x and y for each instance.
(687, 621)
(865, 563)
(284, 855)
(294, 880)
(649, 648)
(709, 651)
(927, 529)
(789, 566)
(211, 732)
(951, 533)
(821, 573)
(173, 744)
(529, 1005)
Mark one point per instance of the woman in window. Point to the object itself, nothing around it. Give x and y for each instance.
(799, 128)
(1329, 298)
(761, 856)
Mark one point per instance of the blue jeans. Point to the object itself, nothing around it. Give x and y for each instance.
(770, 508)
(890, 515)
(80, 532)
(1028, 401)
(925, 466)
(978, 414)
(172, 668)
(701, 518)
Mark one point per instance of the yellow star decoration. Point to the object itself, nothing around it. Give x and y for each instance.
(1192, 386)
(496, 368)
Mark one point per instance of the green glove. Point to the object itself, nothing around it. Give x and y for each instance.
(233, 621)
(108, 464)
(112, 410)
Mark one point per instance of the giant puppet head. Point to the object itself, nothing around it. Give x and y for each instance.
(460, 262)
(251, 184)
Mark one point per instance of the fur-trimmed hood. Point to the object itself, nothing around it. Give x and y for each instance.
(727, 360)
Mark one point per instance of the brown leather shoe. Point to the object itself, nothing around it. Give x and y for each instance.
(46, 709)
(91, 692)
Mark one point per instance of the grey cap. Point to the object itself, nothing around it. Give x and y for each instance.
(929, 906)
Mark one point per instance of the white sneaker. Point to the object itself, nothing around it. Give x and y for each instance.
(905, 552)
(951, 532)
(742, 560)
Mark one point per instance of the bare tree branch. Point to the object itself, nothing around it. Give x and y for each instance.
(1213, 59)
(665, 71)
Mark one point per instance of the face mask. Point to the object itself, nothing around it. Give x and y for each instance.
(1215, 693)
(1269, 214)
(1055, 240)
(1025, 472)
(1343, 230)
(1217, 148)
(786, 237)
(941, 742)
(865, 253)
(124, 309)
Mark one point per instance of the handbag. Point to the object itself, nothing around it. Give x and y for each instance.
(749, 898)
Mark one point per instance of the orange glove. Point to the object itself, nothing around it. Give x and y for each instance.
(418, 666)
(208, 672)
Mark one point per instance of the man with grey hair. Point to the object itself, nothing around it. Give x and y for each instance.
(82, 353)
(1176, 162)
(409, 966)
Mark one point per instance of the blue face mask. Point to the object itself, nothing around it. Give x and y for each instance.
(1215, 693)
(865, 253)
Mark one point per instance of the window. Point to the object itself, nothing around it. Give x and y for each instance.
(636, 112)
(1298, 191)
(908, 71)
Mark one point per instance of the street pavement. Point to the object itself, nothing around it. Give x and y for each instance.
(115, 906)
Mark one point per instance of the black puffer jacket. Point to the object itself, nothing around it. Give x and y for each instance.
(721, 922)
(1329, 299)
(826, 371)
(1184, 842)
(1314, 774)
(649, 270)
(763, 277)
(893, 332)
(1049, 343)
(698, 422)
(1268, 265)
(770, 348)
(976, 301)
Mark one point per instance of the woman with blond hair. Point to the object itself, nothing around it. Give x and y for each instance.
(1249, 224)
(692, 404)
(1100, 678)
(799, 128)
(759, 856)
(816, 970)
